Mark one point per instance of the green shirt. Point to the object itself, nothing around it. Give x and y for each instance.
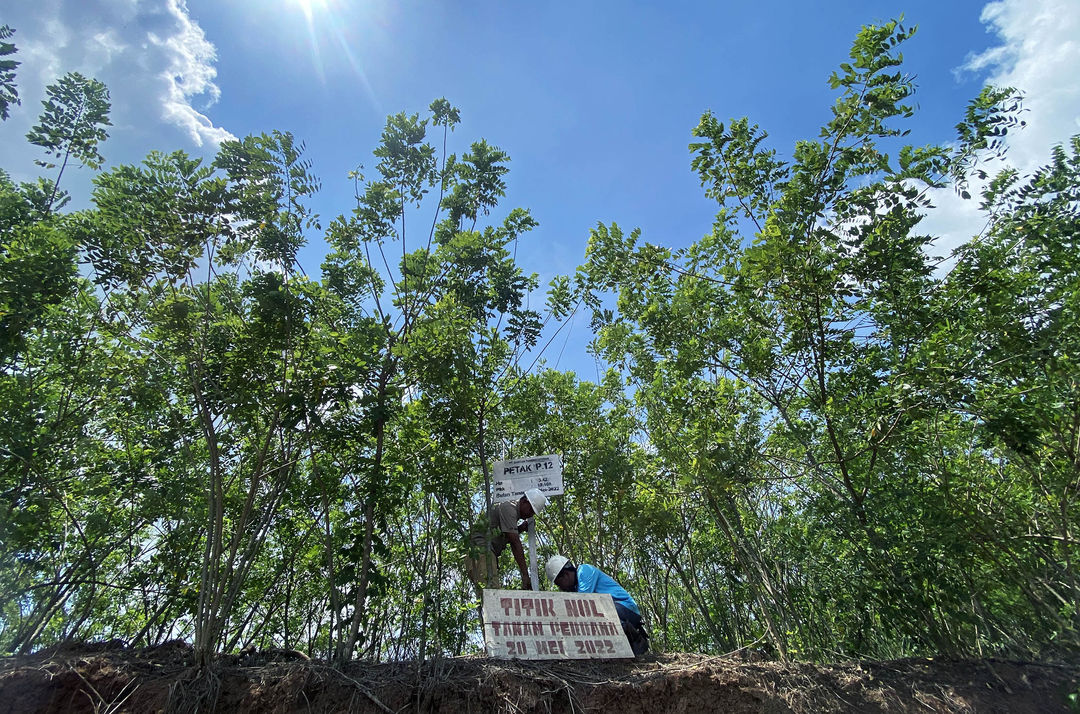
(491, 528)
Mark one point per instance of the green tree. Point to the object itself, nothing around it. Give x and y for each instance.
(37, 264)
(1004, 355)
(803, 329)
(183, 250)
(807, 437)
(221, 448)
(448, 321)
(9, 94)
(72, 125)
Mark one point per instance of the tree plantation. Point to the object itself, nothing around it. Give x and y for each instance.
(807, 436)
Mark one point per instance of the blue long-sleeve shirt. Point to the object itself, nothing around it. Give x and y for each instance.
(591, 579)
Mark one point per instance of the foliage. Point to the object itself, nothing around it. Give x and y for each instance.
(72, 125)
(9, 94)
(807, 437)
(794, 385)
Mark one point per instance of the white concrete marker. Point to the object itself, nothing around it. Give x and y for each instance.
(519, 624)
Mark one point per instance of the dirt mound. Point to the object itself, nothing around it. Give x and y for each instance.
(163, 680)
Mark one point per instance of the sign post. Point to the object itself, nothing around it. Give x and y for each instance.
(534, 574)
(552, 625)
(514, 477)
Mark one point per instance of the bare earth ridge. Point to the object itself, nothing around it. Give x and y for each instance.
(96, 679)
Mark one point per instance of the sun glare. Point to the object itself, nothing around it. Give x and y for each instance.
(310, 7)
(328, 24)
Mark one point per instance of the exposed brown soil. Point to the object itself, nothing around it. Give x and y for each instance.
(100, 680)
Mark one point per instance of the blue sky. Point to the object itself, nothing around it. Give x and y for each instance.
(594, 101)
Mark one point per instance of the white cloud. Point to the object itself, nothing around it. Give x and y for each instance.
(1040, 55)
(190, 74)
(1037, 52)
(153, 56)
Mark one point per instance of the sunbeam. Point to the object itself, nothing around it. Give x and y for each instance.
(329, 21)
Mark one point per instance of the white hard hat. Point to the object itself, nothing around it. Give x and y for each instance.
(537, 499)
(555, 565)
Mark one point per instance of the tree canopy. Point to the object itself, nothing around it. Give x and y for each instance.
(808, 435)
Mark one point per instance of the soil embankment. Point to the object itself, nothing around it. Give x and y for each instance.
(163, 680)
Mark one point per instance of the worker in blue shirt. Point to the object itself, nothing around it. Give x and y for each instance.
(587, 578)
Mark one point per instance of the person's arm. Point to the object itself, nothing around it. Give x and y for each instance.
(519, 556)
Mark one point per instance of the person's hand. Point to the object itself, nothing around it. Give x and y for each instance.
(523, 526)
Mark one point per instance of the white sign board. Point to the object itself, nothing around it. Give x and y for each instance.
(516, 476)
(519, 624)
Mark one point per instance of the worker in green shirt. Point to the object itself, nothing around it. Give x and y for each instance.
(499, 527)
